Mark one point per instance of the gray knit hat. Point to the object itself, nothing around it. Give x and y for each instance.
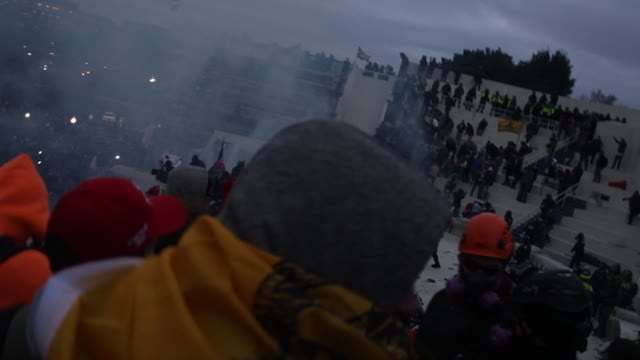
(324, 195)
(189, 185)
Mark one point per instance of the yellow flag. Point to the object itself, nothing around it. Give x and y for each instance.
(514, 126)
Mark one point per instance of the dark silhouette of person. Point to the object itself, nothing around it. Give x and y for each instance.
(195, 161)
(634, 206)
(622, 147)
(578, 251)
(600, 165)
(457, 95)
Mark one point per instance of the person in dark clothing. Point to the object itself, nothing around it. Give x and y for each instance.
(448, 104)
(543, 100)
(436, 260)
(608, 298)
(628, 290)
(622, 349)
(460, 129)
(584, 155)
(599, 282)
(526, 183)
(533, 98)
(484, 98)
(195, 161)
(482, 126)
(457, 95)
(457, 201)
(553, 312)
(469, 99)
(548, 209)
(508, 217)
(469, 131)
(467, 318)
(162, 174)
(600, 165)
(634, 206)
(576, 176)
(435, 88)
(578, 251)
(446, 91)
(622, 147)
(596, 148)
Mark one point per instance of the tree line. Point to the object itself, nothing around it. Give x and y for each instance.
(545, 71)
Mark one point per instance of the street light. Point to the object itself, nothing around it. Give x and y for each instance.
(152, 79)
(73, 120)
(117, 157)
(27, 115)
(40, 152)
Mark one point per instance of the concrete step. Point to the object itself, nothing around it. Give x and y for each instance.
(612, 211)
(604, 220)
(593, 237)
(609, 254)
(606, 229)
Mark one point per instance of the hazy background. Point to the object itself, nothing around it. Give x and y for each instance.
(599, 36)
(175, 71)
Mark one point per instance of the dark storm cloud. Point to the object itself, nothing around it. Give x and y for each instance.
(598, 35)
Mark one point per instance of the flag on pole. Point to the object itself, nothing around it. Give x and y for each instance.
(363, 55)
(221, 153)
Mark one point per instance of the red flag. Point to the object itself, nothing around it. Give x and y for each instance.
(362, 55)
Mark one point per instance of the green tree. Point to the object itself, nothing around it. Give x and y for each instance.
(545, 71)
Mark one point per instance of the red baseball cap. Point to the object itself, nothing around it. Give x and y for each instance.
(111, 217)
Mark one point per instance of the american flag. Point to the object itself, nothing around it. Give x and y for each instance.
(363, 55)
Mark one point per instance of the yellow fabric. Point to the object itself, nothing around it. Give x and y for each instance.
(514, 126)
(216, 297)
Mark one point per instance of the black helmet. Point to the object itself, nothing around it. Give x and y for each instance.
(560, 290)
(616, 269)
(557, 308)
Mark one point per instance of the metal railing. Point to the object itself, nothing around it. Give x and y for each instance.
(560, 200)
(560, 145)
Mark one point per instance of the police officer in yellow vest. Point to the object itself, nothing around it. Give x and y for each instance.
(585, 276)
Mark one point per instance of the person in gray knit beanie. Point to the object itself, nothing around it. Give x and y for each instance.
(189, 184)
(324, 195)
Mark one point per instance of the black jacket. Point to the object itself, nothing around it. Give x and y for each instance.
(455, 325)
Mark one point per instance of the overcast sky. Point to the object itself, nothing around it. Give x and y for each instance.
(600, 36)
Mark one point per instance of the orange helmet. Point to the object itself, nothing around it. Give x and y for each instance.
(487, 235)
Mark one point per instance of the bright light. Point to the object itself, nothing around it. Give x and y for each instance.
(88, 72)
(29, 54)
(83, 74)
(27, 115)
(51, 54)
(86, 63)
(39, 162)
(117, 157)
(73, 120)
(40, 152)
(152, 79)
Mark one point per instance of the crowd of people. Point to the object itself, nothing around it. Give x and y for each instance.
(112, 272)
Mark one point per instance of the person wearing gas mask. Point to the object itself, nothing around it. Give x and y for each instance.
(467, 319)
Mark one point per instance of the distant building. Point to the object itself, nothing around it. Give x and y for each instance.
(246, 82)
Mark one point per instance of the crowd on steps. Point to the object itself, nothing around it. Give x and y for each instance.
(310, 250)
